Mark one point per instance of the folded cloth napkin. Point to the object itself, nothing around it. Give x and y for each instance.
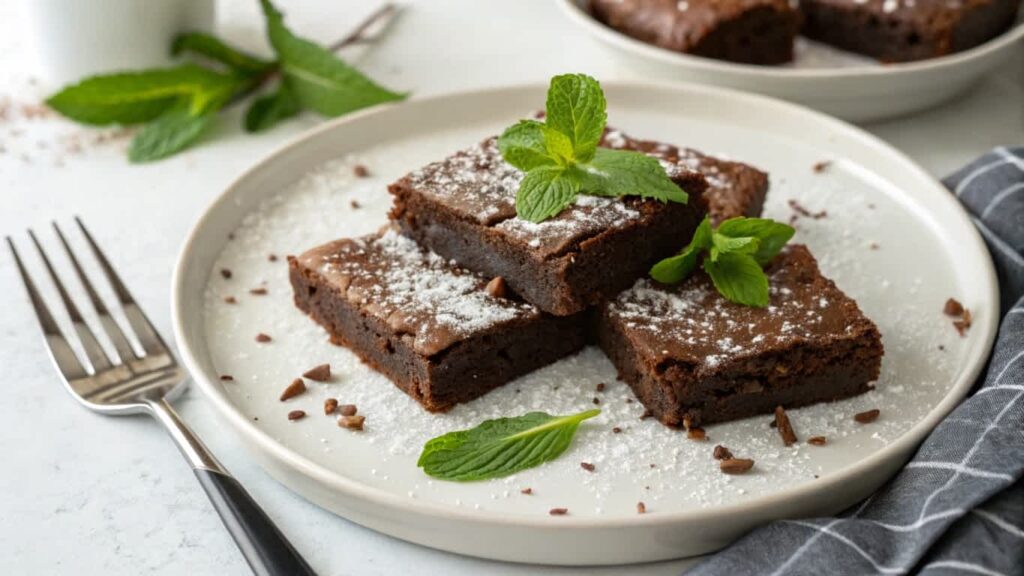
(958, 506)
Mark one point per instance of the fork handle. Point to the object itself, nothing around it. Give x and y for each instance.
(264, 547)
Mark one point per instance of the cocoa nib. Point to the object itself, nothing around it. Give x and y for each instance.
(296, 415)
(736, 465)
(352, 422)
(321, 373)
(867, 416)
(330, 405)
(497, 287)
(722, 453)
(294, 389)
(785, 428)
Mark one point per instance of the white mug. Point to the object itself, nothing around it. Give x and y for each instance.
(78, 38)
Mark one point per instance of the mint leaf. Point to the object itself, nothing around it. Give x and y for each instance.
(321, 81)
(628, 173)
(676, 268)
(500, 447)
(546, 191)
(721, 243)
(772, 235)
(739, 278)
(266, 111)
(576, 108)
(218, 51)
(173, 131)
(134, 97)
(525, 145)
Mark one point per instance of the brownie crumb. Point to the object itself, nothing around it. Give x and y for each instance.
(867, 417)
(230, 300)
(964, 324)
(225, 273)
(227, 378)
(558, 511)
(953, 308)
(347, 409)
(258, 291)
(262, 338)
(272, 257)
(817, 440)
(736, 465)
(526, 491)
(785, 427)
(296, 415)
(352, 422)
(361, 171)
(321, 373)
(354, 204)
(696, 433)
(820, 167)
(873, 246)
(800, 210)
(629, 400)
(600, 386)
(330, 405)
(587, 466)
(616, 430)
(294, 389)
(722, 453)
(641, 508)
(497, 287)
(942, 348)
(597, 400)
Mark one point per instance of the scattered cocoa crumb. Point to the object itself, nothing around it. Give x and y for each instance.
(226, 378)
(653, 465)
(354, 204)
(800, 210)
(558, 511)
(874, 246)
(230, 300)
(722, 453)
(361, 171)
(817, 440)
(600, 386)
(964, 324)
(296, 415)
(526, 491)
(497, 287)
(616, 430)
(641, 508)
(272, 257)
(225, 273)
(736, 465)
(820, 167)
(785, 427)
(321, 373)
(294, 389)
(953, 308)
(597, 400)
(352, 422)
(629, 400)
(867, 417)
(330, 405)
(263, 338)
(258, 291)
(942, 348)
(587, 466)
(347, 409)
(696, 433)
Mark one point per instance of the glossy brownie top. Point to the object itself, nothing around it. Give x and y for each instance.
(418, 294)
(693, 324)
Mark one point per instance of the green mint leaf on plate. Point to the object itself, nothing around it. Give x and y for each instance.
(567, 141)
(500, 447)
(171, 132)
(546, 191)
(734, 255)
(625, 173)
(134, 97)
(266, 111)
(739, 278)
(576, 107)
(320, 80)
(215, 49)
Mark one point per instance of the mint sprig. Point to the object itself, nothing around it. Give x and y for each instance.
(561, 158)
(500, 447)
(734, 255)
(177, 105)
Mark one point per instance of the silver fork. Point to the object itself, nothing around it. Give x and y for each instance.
(131, 381)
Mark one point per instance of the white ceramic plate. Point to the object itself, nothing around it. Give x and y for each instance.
(840, 83)
(926, 250)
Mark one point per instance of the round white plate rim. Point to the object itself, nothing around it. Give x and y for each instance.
(986, 325)
(614, 37)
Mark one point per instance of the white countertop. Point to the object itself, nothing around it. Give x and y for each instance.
(85, 494)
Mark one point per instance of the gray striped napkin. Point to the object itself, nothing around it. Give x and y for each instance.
(958, 506)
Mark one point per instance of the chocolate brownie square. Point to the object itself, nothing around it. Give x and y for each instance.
(439, 332)
(747, 31)
(463, 208)
(694, 358)
(906, 30)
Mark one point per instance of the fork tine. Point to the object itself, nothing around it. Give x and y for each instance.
(93, 351)
(61, 352)
(150, 339)
(113, 330)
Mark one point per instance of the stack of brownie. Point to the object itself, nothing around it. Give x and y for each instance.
(458, 295)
